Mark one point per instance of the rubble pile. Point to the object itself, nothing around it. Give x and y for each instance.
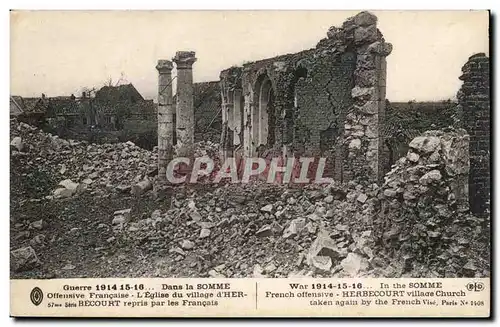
(71, 167)
(416, 224)
(261, 230)
(423, 221)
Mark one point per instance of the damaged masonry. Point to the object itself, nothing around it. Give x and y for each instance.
(324, 102)
(426, 216)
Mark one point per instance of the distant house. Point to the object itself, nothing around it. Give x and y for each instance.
(106, 111)
(126, 93)
(29, 110)
(16, 106)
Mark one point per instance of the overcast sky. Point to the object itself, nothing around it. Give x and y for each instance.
(58, 53)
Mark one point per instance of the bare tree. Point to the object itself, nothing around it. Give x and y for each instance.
(108, 81)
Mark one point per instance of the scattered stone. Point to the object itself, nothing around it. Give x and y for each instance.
(70, 185)
(390, 193)
(205, 232)
(294, 228)
(258, 271)
(267, 208)
(17, 143)
(38, 224)
(355, 144)
(470, 266)
(187, 245)
(264, 231)
(322, 263)
(68, 266)
(433, 234)
(121, 216)
(214, 274)
(141, 187)
(432, 176)
(323, 245)
(63, 193)
(63, 169)
(425, 144)
(362, 198)
(412, 156)
(24, 259)
(123, 188)
(353, 264)
(300, 260)
(195, 215)
(311, 228)
(21, 235)
(38, 239)
(206, 224)
(87, 181)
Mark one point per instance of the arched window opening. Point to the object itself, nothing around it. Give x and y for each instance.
(263, 117)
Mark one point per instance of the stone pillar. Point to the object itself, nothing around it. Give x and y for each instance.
(165, 116)
(362, 138)
(230, 86)
(474, 104)
(227, 122)
(248, 112)
(237, 117)
(184, 61)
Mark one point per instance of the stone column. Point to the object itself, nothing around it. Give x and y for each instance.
(248, 112)
(165, 116)
(227, 121)
(237, 117)
(184, 61)
(230, 86)
(474, 105)
(363, 137)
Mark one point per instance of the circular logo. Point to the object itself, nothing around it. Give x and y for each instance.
(475, 286)
(36, 296)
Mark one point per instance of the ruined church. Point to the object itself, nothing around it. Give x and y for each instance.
(323, 102)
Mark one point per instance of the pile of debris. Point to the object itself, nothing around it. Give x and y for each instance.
(71, 167)
(415, 225)
(261, 229)
(424, 222)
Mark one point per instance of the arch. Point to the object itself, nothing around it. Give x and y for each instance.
(292, 106)
(263, 116)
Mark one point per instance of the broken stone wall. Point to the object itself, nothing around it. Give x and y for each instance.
(325, 101)
(264, 120)
(406, 120)
(363, 141)
(423, 198)
(320, 99)
(474, 107)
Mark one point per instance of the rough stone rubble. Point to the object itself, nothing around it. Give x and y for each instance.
(424, 220)
(415, 224)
